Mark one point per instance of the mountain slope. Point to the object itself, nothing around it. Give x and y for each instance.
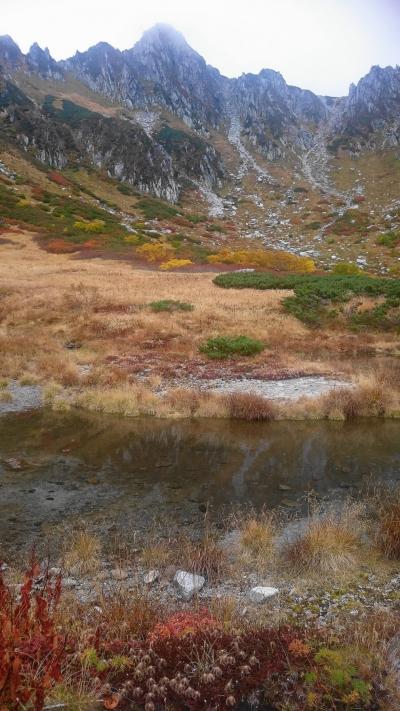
(291, 167)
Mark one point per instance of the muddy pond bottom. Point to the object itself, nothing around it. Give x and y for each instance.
(58, 468)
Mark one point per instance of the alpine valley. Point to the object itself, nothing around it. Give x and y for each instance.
(269, 164)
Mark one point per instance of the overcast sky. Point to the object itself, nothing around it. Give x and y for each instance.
(322, 45)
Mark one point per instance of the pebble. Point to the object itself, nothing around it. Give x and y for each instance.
(262, 594)
(188, 584)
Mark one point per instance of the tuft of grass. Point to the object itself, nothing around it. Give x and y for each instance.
(389, 526)
(328, 544)
(82, 552)
(204, 557)
(29, 379)
(250, 407)
(170, 305)
(156, 554)
(129, 401)
(257, 534)
(228, 346)
(370, 398)
(5, 396)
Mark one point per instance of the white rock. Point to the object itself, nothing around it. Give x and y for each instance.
(119, 574)
(151, 577)
(261, 593)
(69, 583)
(55, 571)
(188, 583)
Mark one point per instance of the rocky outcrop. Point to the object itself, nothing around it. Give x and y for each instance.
(42, 63)
(162, 79)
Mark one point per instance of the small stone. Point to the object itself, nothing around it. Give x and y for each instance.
(261, 593)
(151, 577)
(284, 487)
(14, 463)
(69, 583)
(73, 345)
(188, 583)
(54, 571)
(119, 574)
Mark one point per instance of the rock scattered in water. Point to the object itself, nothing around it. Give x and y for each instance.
(188, 584)
(261, 594)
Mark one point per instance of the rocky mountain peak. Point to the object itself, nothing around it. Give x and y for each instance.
(11, 56)
(40, 61)
(163, 36)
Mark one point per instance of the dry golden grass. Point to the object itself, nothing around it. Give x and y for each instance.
(329, 542)
(156, 554)
(82, 552)
(203, 557)
(51, 300)
(389, 525)
(257, 535)
(250, 407)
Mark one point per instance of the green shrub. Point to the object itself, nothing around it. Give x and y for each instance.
(124, 189)
(390, 239)
(314, 295)
(227, 346)
(346, 268)
(156, 209)
(170, 305)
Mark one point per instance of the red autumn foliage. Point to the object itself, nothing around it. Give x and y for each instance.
(205, 669)
(60, 246)
(183, 623)
(31, 650)
(37, 192)
(91, 244)
(59, 179)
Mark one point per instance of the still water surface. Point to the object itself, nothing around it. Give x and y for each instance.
(57, 467)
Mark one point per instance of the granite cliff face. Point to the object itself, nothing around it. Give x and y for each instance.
(167, 105)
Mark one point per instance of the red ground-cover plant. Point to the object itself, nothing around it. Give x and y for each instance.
(205, 669)
(57, 178)
(182, 623)
(60, 246)
(31, 649)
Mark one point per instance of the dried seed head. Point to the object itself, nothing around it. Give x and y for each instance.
(245, 669)
(253, 661)
(229, 687)
(230, 701)
(208, 678)
(137, 692)
(149, 706)
(217, 671)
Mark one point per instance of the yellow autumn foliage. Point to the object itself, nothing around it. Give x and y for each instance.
(92, 226)
(269, 259)
(175, 264)
(156, 252)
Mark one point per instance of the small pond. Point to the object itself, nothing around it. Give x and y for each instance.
(57, 467)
